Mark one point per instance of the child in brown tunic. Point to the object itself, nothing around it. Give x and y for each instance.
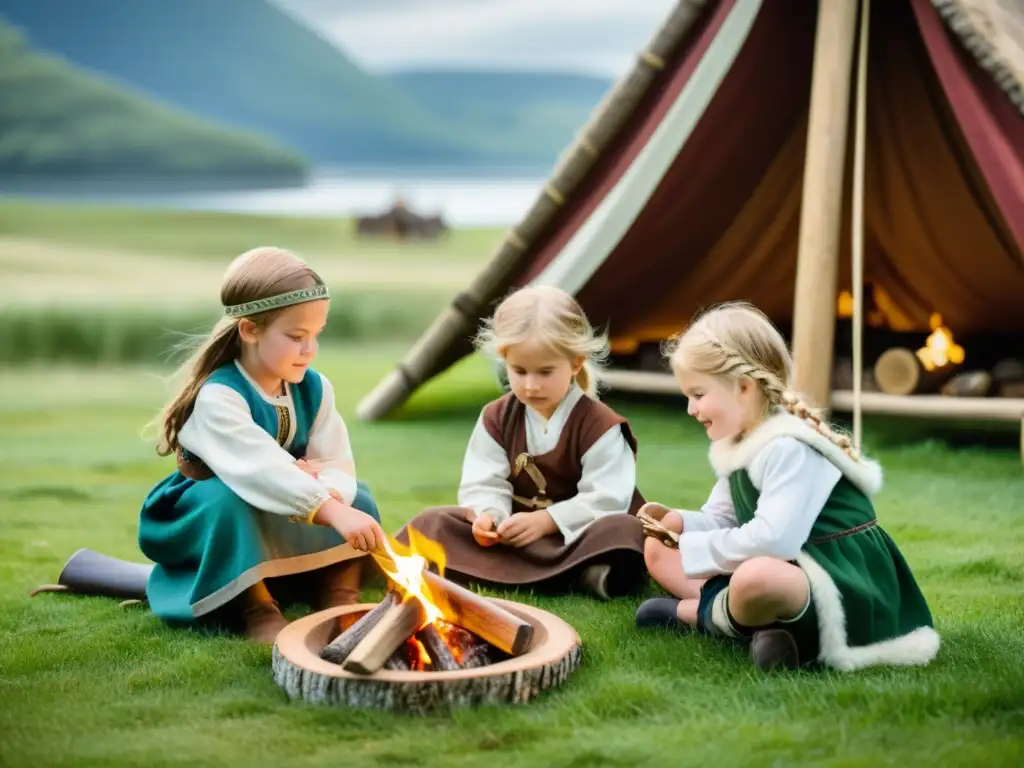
(548, 495)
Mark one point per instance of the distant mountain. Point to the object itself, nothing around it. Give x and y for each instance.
(247, 63)
(58, 120)
(541, 111)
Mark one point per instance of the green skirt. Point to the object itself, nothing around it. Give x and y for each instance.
(869, 607)
(208, 545)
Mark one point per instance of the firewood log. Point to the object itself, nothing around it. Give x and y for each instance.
(338, 649)
(898, 371)
(474, 612)
(390, 632)
(1008, 371)
(969, 384)
(842, 377)
(1012, 389)
(441, 656)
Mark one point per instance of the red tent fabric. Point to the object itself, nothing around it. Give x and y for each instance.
(944, 209)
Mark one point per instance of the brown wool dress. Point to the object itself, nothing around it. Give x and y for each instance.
(546, 565)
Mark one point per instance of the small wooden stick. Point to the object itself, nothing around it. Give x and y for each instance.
(385, 637)
(338, 649)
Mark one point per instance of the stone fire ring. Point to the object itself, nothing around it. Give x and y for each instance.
(554, 654)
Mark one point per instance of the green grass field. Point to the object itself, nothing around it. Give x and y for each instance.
(101, 284)
(85, 682)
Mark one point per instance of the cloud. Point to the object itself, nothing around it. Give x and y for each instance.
(594, 35)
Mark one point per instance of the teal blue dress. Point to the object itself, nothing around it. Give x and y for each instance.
(209, 545)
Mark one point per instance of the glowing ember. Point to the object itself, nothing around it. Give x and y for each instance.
(422, 659)
(939, 349)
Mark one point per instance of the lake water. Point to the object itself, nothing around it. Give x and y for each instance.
(465, 198)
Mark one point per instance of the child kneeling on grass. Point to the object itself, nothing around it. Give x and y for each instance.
(260, 447)
(548, 495)
(787, 552)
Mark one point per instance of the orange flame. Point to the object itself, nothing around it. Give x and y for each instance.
(422, 660)
(404, 565)
(939, 349)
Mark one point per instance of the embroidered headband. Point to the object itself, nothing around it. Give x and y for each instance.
(300, 296)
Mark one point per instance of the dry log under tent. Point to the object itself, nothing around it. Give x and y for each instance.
(663, 204)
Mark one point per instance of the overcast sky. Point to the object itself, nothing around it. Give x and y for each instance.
(599, 36)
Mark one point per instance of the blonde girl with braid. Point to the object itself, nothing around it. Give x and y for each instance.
(787, 553)
(264, 504)
(548, 496)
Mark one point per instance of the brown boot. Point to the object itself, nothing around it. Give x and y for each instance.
(263, 621)
(771, 648)
(339, 586)
(261, 614)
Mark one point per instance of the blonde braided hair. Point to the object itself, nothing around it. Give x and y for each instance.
(736, 340)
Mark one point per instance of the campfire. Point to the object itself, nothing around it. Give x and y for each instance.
(429, 643)
(426, 622)
(936, 365)
(939, 349)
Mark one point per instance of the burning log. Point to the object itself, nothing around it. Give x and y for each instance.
(473, 612)
(339, 649)
(481, 616)
(441, 656)
(388, 634)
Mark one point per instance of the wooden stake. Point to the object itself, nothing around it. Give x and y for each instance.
(387, 635)
(814, 315)
(857, 225)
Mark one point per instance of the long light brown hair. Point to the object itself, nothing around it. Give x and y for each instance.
(552, 318)
(736, 340)
(257, 274)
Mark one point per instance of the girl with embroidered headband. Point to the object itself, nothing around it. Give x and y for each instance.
(548, 493)
(259, 448)
(787, 553)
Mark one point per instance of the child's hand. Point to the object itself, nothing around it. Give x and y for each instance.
(524, 528)
(356, 527)
(308, 468)
(483, 530)
(667, 517)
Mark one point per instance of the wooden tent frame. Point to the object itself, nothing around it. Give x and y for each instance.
(820, 221)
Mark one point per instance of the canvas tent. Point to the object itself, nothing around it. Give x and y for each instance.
(690, 183)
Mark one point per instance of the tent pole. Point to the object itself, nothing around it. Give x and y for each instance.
(814, 309)
(857, 228)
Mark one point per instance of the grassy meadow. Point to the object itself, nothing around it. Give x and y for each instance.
(86, 682)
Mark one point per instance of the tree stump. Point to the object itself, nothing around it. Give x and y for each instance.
(554, 654)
